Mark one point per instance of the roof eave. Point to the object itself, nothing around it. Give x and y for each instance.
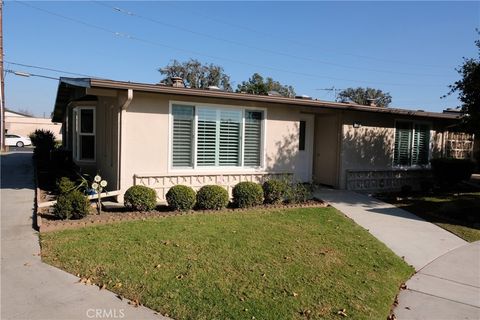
(101, 83)
(72, 88)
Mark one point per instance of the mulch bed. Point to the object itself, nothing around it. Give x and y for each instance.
(48, 222)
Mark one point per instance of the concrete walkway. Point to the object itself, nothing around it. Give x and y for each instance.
(31, 289)
(450, 286)
(447, 282)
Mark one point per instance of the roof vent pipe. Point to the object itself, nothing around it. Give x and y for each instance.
(177, 82)
(372, 102)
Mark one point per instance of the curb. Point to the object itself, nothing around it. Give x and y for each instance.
(38, 218)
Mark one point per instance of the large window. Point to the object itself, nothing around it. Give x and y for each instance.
(412, 142)
(84, 133)
(216, 137)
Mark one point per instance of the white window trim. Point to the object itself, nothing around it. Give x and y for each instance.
(216, 169)
(430, 144)
(78, 134)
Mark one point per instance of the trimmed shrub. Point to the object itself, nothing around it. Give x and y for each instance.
(452, 171)
(44, 142)
(275, 190)
(247, 194)
(181, 198)
(299, 193)
(140, 198)
(65, 185)
(71, 205)
(212, 197)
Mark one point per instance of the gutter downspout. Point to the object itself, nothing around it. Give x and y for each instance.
(121, 148)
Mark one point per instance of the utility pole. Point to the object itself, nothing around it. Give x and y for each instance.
(2, 84)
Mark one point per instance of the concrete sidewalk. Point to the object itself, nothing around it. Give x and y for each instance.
(450, 285)
(447, 282)
(31, 289)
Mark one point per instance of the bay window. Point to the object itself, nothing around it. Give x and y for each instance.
(84, 133)
(215, 137)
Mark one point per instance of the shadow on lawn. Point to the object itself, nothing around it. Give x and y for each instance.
(461, 207)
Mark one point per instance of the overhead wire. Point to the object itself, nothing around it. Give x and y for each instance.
(24, 74)
(270, 35)
(276, 52)
(49, 69)
(138, 39)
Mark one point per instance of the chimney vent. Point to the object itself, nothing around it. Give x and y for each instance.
(372, 102)
(177, 82)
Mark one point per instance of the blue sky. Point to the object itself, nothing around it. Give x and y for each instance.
(409, 49)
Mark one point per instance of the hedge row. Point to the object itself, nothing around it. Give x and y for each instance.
(73, 204)
(214, 197)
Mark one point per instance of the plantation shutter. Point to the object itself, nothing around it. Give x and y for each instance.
(421, 141)
(252, 138)
(403, 142)
(229, 139)
(183, 117)
(207, 142)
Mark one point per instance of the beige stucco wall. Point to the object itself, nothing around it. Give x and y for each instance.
(146, 125)
(23, 126)
(371, 146)
(107, 140)
(144, 136)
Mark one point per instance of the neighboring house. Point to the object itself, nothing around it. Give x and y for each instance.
(160, 136)
(23, 124)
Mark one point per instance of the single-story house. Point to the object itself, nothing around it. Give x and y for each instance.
(161, 135)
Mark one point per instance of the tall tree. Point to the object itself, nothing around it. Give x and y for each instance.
(256, 84)
(468, 89)
(197, 75)
(365, 96)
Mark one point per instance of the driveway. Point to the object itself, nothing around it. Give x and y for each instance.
(447, 282)
(31, 289)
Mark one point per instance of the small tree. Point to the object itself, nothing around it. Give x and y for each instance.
(256, 84)
(365, 96)
(468, 88)
(197, 75)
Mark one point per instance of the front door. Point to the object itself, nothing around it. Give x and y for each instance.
(326, 149)
(305, 147)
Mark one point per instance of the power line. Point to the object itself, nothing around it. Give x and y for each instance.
(49, 69)
(270, 35)
(25, 74)
(179, 27)
(134, 38)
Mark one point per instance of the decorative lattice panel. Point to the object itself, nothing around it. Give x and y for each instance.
(163, 183)
(459, 145)
(385, 180)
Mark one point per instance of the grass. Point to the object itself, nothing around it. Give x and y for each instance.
(304, 263)
(458, 213)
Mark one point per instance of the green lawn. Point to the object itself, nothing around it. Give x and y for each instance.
(282, 264)
(458, 213)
